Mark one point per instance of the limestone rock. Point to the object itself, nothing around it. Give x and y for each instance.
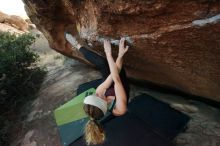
(173, 43)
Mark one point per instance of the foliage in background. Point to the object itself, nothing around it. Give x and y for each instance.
(20, 78)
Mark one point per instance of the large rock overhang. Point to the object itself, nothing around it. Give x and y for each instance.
(172, 43)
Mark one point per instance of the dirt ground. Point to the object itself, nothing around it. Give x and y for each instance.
(64, 76)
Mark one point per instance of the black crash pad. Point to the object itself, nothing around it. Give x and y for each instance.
(159, 116)
(85, 86)
(148, 122)
(127, 130)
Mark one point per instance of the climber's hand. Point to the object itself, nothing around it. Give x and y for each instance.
(107, 47)
(122, 48)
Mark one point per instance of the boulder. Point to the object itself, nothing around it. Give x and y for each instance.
(14, 21)
(172, 43)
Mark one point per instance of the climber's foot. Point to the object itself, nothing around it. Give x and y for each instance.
(73, 41)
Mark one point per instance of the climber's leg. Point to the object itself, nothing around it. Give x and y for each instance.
(99, 61)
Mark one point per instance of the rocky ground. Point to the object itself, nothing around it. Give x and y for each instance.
(64, 76)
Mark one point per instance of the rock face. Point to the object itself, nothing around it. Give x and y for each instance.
(14, 21)
(173, 43)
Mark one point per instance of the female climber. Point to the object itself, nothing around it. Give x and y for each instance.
(113, 92)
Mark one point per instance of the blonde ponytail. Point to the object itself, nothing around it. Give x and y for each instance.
(94, 133)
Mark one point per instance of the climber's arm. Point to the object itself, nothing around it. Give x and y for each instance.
(119, 61)
(108, 81)
(121, 98)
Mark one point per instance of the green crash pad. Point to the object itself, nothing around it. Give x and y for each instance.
(71, 118)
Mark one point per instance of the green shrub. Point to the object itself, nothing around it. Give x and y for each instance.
(20, 77)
